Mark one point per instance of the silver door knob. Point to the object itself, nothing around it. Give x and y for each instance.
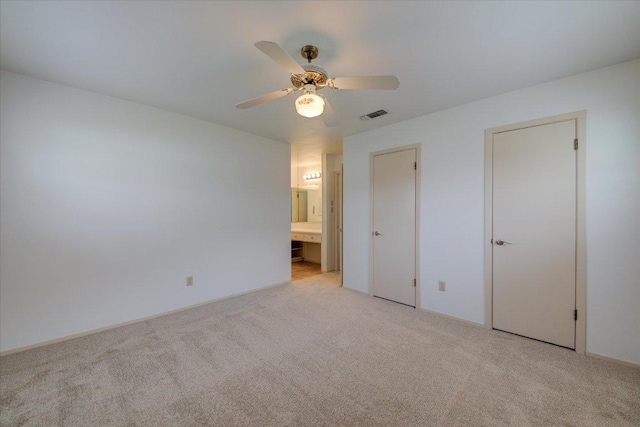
(501, 242)
(377, 233)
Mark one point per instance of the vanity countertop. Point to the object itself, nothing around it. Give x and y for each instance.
(306, 227)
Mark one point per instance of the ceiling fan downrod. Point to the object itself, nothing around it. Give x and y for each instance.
(309, 52)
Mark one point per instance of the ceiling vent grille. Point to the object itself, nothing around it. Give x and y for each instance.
(373, 115)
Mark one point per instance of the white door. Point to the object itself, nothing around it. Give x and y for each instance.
(534, 232)
(394, 226)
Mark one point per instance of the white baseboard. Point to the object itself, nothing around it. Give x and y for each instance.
(595, 355)
(144, 319)
(459, 319)
(355, 290)
(613, 359)
(587, 353)
(131, 322)
(437, 313)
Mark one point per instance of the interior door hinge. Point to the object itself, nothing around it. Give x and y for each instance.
(575, 314)
(575, 144)
(414, 282)
(415, 166)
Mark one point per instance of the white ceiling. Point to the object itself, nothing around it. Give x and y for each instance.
(198, 58)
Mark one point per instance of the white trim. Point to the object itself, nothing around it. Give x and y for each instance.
(356, 291)
(456, 318)
(581, 246)
(417, 214)
(613, 359)
(327, 247)
(342, 224)
(337, 222)
(130, 322)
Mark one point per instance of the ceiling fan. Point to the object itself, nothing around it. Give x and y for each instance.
(309, 79)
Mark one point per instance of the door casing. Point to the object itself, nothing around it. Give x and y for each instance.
(337, 179)
(417, 215)
(581, 249)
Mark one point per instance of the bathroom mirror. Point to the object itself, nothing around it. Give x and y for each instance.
(306, 205)
(298, 205)
(306, 188)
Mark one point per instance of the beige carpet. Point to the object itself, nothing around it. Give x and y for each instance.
(307, 354)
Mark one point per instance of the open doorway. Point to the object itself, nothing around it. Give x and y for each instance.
(306, 214)
(316, 211)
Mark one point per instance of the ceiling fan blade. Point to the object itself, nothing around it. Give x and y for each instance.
(264, 98)
(275, 52)
(365, 82)
(329, 116)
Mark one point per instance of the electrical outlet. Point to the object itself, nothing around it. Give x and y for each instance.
(442, 286)
(190, 281)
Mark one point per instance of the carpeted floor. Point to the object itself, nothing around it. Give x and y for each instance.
(311, 353)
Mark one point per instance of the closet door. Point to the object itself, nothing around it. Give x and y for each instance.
(534, 232)
(394, 226)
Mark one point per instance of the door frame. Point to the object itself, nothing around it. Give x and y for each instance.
(417, 214)
(338, 219)
(581, 242)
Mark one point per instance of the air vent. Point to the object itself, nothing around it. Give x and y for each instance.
(373, 115)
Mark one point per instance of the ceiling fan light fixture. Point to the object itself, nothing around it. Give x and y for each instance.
(310, 78)
(309, 104)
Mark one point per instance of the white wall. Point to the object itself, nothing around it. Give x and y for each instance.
(452, 160)
(337, 163)
(107, 207)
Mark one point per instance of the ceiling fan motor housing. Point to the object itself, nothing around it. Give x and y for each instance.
(314, 75)
(309, 52)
